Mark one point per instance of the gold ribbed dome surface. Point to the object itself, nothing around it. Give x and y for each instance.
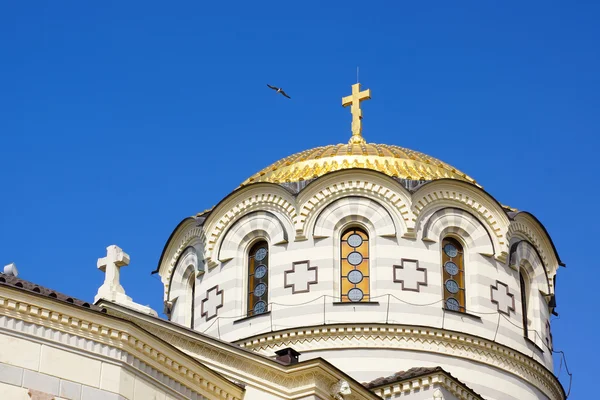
(393, 161)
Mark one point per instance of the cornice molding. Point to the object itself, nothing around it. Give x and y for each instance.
(400, 337)
(312, 377)
(405, 387)
(104, 330)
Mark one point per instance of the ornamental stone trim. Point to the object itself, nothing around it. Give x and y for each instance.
(434, 380)
(455, 344)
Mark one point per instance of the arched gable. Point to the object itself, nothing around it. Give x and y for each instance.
(446, 193)
(187, 234)
(178, 288)
(524, 255)
(359, 209)
(451, 220)
(525, 226)
(381, 189)
(266, 197)
(263, 222)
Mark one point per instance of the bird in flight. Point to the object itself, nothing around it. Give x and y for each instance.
(279, 90)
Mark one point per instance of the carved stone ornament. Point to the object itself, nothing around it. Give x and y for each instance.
(340, 389)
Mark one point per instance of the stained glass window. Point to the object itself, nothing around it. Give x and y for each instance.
(522, 280)
(190, 300)
(453, 275)
(355, 266)
(258, 279)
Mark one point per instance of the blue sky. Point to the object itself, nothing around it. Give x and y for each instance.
(119, 120)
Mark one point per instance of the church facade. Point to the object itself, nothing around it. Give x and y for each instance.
(350, 271)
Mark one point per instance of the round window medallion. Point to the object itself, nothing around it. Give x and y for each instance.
(355, 258)
(450, 250)
(452, 304)
(355, 295)
(451, 268)
(260, 289)
(260, 271)
(451, 286)
(355, 276)
(355, 240)
(260, 307)
(260, 254)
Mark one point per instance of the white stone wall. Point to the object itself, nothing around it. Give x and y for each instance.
(72, 375)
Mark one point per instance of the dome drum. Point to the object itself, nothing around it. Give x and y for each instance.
(382, 252)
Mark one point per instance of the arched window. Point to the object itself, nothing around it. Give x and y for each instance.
(524, 302)
(258, 279)
(355, 266)
(453, 275)
(190, 300)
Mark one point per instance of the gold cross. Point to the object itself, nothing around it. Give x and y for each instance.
(354, 99)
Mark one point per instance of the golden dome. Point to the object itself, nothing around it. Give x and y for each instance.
(393, 161)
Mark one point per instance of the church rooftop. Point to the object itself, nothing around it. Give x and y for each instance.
(391, 160)
(10, 280)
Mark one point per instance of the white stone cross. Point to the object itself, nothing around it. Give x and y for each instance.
(211, 303)
(300, 277)
(504, 300)
(410, 276)
(111, 289)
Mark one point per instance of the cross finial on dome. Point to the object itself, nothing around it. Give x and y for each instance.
(354, 101)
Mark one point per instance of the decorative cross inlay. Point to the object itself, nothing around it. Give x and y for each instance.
(300, 277)
(504, 300)
(549, 336)
(211, 303)
(354, 101)
(409, 275)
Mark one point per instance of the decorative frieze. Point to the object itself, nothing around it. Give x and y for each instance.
(399, 337)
